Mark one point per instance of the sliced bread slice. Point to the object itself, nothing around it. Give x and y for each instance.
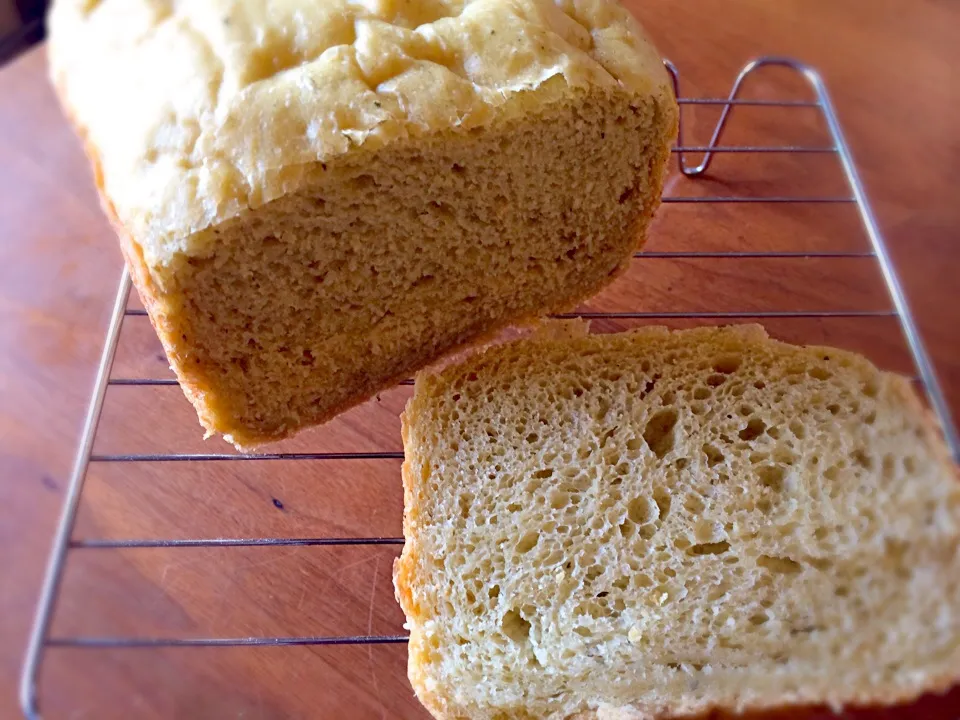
(656, 524)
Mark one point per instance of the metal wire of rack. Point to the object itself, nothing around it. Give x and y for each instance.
(41, 640)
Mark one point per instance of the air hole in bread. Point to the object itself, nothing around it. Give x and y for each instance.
(727, 364)
(607, 437)
(659, 431)
(661, 496)
(713, 454)
(716, 593)
(862, 459)
(643, 510)
(717, 548)
(708, 531)
(515, 627)
(755, 428)
(889, 466)
(528, 541)
(621, 583)
(783, 565)
(693, 504)
(772, 476)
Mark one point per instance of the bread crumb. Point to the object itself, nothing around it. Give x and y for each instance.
(618, 573)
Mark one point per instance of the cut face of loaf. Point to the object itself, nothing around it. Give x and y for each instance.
(314, 206)
(655, 524)
(319, 299)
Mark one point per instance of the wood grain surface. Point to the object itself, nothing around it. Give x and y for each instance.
(891, 67)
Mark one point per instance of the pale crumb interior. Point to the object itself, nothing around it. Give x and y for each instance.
(669, 521)
(317, 300)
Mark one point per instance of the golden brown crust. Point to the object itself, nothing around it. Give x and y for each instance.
(227, 105)
(140, 276)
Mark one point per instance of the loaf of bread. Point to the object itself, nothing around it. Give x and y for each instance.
(316, 198)
(658, 524)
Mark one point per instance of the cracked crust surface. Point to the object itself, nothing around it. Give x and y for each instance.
(203, 109)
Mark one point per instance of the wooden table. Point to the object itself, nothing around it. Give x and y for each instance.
(892, 72)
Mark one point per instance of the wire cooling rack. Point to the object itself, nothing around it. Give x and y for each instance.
(41, 639)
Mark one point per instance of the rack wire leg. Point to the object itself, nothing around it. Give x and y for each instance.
(907, 324)
(29, 702)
